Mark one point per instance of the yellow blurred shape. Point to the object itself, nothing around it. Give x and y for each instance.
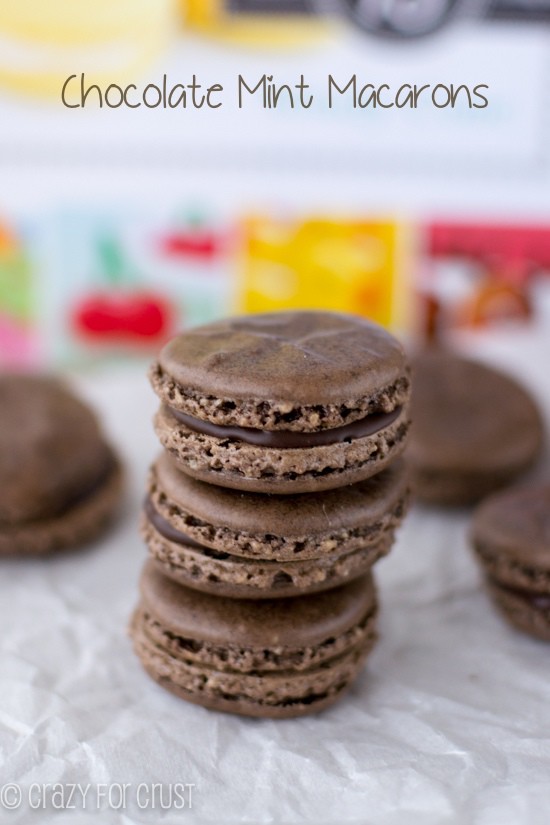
(217, 19)
(351, 266)
(276, 282)
(42, 43)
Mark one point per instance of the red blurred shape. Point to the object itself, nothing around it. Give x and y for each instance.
(515, 250)
(134, 317)
(191, 245)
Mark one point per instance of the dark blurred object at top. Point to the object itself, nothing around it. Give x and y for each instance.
(395, 18)
(416, 18)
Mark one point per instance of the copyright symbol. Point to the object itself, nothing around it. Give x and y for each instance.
(10, 796)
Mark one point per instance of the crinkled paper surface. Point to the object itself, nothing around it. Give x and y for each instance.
(450, 722)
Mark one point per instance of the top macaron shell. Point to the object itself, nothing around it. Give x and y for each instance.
(289, 360)
(511, 535)
(283, 375)
(60, 480)
(310, 620)
(50, 446)
(475, 429)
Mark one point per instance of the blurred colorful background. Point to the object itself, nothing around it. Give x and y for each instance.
(118, 227)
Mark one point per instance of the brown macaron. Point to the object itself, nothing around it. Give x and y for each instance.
(268, 658)
(511, 538)
(252, 545)
(474, 429)
(60, 481)
(287, 402)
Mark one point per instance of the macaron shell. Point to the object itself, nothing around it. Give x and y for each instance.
(469, 417)
(349, 507)
(308, 620)
(50, 447)
(255, 709)
(240, 578)
(286, 357)
(280, 695)
(511, 535)
(257, 660)
(77, 525)
(242, 466)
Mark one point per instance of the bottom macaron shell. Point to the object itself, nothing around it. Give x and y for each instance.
(269, 694)
(79, 524)
(237, 577)
(242, 466)
(475, 429)
(528, 612)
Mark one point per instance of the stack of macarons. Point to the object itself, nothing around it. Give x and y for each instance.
(279, 487)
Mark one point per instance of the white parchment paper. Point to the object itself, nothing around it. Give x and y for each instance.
(450, 722)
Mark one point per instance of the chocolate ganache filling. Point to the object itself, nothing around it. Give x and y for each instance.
(540, 601)
(287, 439)
(165, 529)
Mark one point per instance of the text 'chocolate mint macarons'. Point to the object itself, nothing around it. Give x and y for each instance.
(267, 658)
(249, 545)
(511, 538)
(287, 402)
(60, 482)
(474, 429)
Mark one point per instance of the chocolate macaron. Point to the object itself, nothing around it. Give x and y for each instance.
(474, 429)
(250, 545)
(267, 658)
(511, 538)
(288, 402)
(60, 482)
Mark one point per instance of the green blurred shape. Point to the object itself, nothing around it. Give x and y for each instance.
(16, 299)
